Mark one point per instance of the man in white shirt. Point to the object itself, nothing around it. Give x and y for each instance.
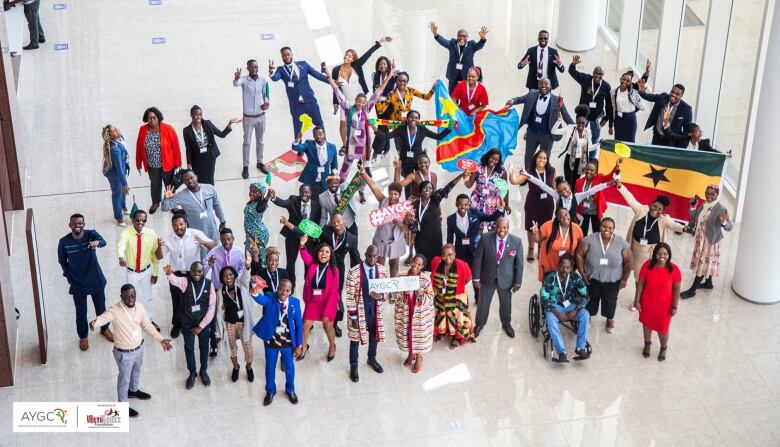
(182, 248)
(254, 93)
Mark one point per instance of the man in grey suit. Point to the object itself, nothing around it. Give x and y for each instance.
(330, 199)
(540, 113)
(498, 265)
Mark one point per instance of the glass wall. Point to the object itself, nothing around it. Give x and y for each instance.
(689, 57)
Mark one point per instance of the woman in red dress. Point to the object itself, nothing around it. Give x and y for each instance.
(470, 95)
(657, 295)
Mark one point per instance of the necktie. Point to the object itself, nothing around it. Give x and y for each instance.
(227, 258)
(543, 98)
(370, 273)
(284, 306)
(540, 67)
(294, 75)
(138, 253)
(335, 198)
(500, 249)
(305, 210)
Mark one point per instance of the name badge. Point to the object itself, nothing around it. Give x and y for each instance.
(566, 303)
(592, 104)
(471, 106)
(620, 114)
(291, 84)
(538, 119)
(586, 206)
(357, 132)
(240, 314)
(543, 195)
(317, 292)
(203, 150)
(459, 66)
(320, 168)
(603, 261)
(643, 241)
(410, 154)
(204, 215)
(464, 241)
(195, 308)
(561, 253)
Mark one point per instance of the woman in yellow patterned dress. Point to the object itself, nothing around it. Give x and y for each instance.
(450, 277)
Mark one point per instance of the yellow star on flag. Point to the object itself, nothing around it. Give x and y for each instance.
(448, 107)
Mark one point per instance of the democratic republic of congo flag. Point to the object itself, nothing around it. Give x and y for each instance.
(650, 171)
(472, 136)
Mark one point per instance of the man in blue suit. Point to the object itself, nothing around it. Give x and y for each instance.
(461, 53)
(320, 160)
(540, 113)
(295, 75)
(681, 112)
(464, 230)
(281, 328)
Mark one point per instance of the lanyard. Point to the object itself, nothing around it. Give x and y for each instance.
(469, 93)
(336, 246)
(290, 71)
(587, 185)
(198, 135)
(133, 323)
(411, 137)
(565, 237)
(199, 199)
(566, 202)
(647, 217)
(401, 98)
(322, 150)
(318, 277)
(461, 52)
(196, 298)
(421, 210)
(593, 88)
(274, 285)
(282, 313)
(604, 250)
(423, 177)
(564, 288)
(237, 301)
(542, 176)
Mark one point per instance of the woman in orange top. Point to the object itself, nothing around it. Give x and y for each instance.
(556, 237)
(470, 95)
(157, 150)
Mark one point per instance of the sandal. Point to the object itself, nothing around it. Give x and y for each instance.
(454, 343)
(408, 360)
(418, 362)
(646, 350)
(662, 354)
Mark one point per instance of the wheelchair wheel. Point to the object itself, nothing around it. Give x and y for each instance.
(545, 349)
(534, 318)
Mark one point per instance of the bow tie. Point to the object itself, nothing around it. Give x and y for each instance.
(543, 98)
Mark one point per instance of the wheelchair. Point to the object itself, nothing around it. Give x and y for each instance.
(537, 322)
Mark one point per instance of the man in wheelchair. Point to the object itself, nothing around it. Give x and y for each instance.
(564, 296)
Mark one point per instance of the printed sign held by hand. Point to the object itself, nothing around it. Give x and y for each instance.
(381, 216)
(468, 165)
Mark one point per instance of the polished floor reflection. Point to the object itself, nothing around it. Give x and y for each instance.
(719, 385)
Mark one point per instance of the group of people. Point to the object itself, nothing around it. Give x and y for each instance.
(579, 273)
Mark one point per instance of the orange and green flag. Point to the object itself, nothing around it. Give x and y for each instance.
(650, 171)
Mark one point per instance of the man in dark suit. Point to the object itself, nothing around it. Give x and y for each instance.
(320, 160)
(298, 208)
(300, 95)
(543, 62)
(281, 329)
(594, 92)
(329, 201)
(341, 242)
(681, 113)
(540, 113)
(465, 241)
(498, 265)
(461, 51)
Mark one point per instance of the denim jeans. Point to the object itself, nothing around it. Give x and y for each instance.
(189, 349)
(582, 318)
(117, 199)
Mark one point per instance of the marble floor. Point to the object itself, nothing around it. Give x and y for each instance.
(719, 385)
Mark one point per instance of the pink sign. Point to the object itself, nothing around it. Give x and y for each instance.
(465, 164)
(381, 216)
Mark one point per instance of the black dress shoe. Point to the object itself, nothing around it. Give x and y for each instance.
(293, 397)
(41, 40)
(353, 374)
(509, 331)
(337, 330)
(690, 293)
(374, 364)
(139, 395)
(31, 46)
(204, 377)
(190, 381)
(262, 168)
(213, 351)
(561, 358)
(582, 354)
(250, 374)
(245, 174)
(477, 330)
(707, 284)
(269, 397)
(175, 331)
(234, 374)
(133, 413)
(153, 208)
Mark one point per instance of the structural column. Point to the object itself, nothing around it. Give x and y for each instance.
(578, 22)
(756, 262)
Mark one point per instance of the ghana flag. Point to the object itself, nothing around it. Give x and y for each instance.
(472, 136)
(650, 171)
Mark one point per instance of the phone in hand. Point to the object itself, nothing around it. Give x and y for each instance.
(323, 69)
